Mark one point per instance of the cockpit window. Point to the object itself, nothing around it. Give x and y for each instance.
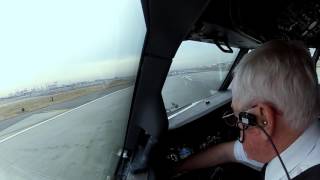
(197, 71)
(67, 74)
(318, 70)
(312, 50)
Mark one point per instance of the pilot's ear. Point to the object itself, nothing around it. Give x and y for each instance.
(266, 118)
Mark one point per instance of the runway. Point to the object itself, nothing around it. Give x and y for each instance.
(80, 139)
(182, 90)
(79, 144)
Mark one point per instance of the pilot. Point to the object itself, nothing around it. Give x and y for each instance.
(275, 102)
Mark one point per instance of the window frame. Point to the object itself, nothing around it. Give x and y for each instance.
(148, 118)
(225, 84)
(316, 56)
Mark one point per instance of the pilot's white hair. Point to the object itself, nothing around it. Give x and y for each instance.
(281, 73)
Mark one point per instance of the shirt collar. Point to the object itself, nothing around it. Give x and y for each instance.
(294, 154)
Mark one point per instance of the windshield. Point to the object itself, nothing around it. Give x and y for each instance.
(67, 76)
(197, 71)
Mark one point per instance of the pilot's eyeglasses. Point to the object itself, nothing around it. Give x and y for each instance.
(242, 121)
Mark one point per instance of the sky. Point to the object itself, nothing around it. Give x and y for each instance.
(66, 41)
(194, 54)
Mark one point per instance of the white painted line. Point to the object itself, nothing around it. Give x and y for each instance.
(183, 110)
(187, 77)
(43, 122)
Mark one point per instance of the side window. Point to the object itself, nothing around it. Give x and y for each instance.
(312, 50)
(318, 70)
(197, 71)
